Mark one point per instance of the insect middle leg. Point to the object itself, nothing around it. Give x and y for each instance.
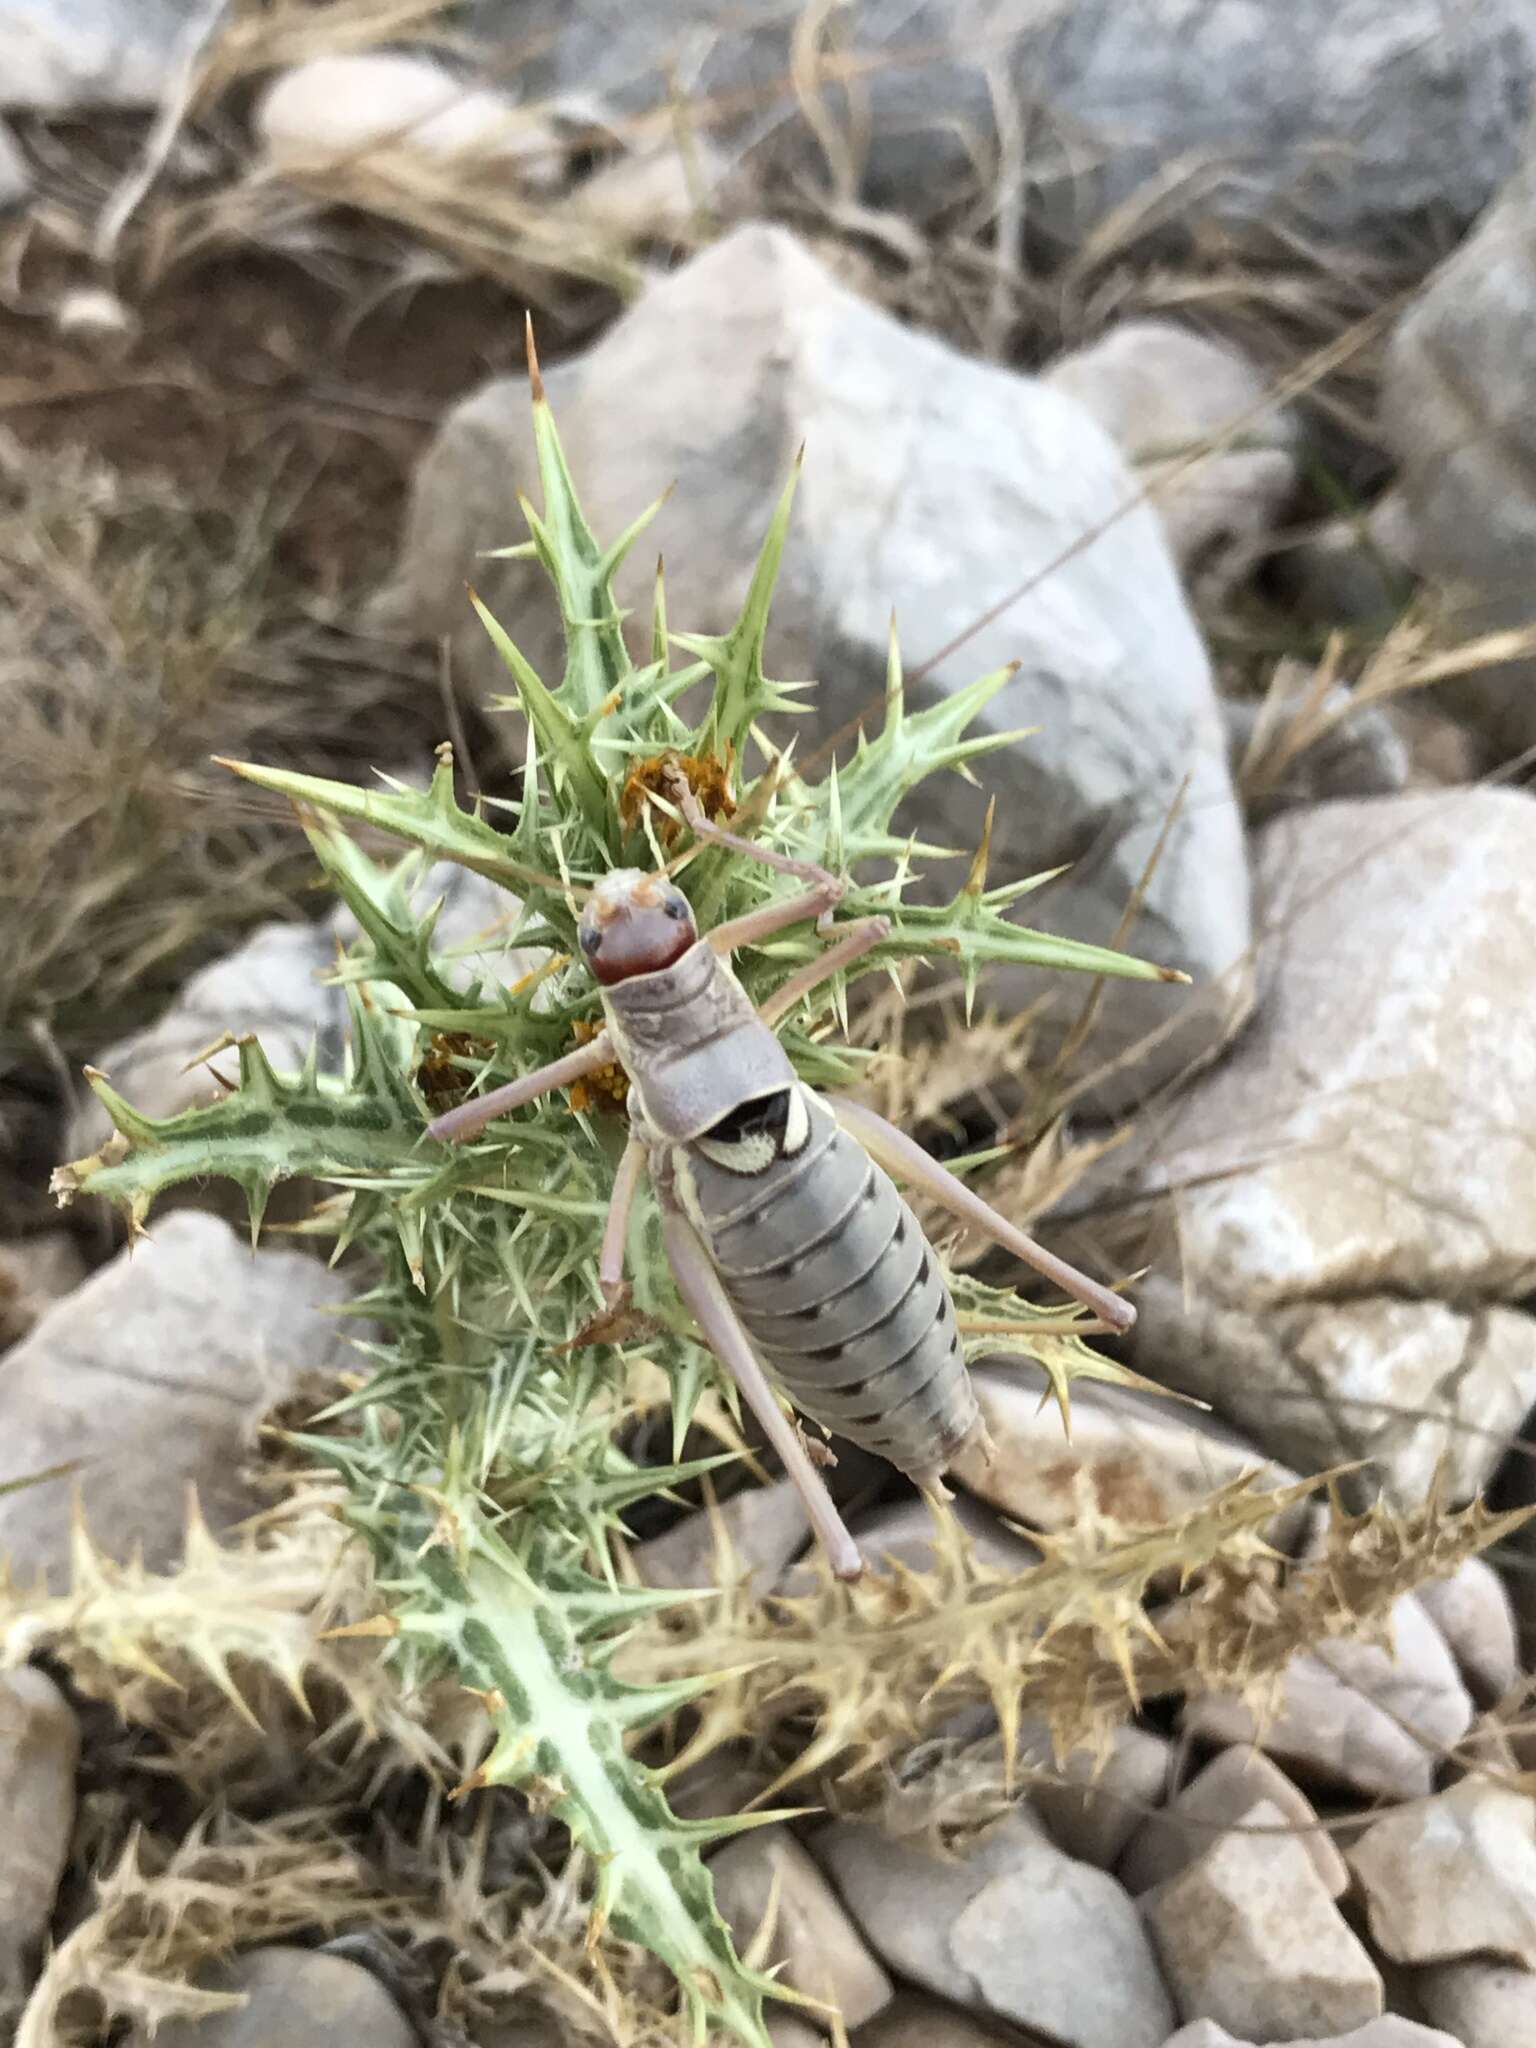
(471, 1118)
(818, 902)
(626, 1185)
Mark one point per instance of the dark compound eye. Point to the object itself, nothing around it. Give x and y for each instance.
(677, 907)
(591, 938)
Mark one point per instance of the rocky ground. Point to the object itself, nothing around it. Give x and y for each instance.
(1178, 353)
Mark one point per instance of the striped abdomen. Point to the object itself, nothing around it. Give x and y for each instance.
(832, 1278)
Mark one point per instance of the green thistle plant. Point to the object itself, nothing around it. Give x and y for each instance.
(482, 1456)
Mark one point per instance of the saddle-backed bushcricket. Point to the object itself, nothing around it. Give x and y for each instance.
(783, 1228)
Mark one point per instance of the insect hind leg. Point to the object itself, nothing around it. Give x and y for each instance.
(699, 1285)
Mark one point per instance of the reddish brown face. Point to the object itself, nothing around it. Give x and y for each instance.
(635, 923)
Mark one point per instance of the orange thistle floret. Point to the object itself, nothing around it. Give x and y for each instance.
(440, 1077)
(707, 776)
(605, 1088)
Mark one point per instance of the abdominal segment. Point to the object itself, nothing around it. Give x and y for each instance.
(834, 1282)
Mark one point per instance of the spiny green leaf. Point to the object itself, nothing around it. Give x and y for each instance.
(565, 746)
(743, 693)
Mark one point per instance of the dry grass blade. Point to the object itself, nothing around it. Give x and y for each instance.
(141, 631)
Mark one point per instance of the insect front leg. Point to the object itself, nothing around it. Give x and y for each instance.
(699, 1285)
(856, 941)
(819, 901)
(906, 1160)
(471, 1118)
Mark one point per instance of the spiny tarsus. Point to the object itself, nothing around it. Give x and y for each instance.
(488, 1400)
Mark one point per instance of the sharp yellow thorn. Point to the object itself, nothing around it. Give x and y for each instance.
(535, 380)
(377, 1625)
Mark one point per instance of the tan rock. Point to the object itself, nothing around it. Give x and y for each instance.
(1015, 1929)
(294, 1999)
(1249, 1937)
(824, 1955)
(724, 1782)
(915, 2022)
(1355, 1214)
(1453, 1876)
(1223, 1795)
(1352, 1713)
(541, 2032)
(1092, 1805)
(785, 2030)
(1482, 2005)
(1472, 1610)
(1351, 571)
(39, 1749)
(1163, 392)
(1455, 414)
(1390, 2031)
(764, 1526)
(1146, 1460)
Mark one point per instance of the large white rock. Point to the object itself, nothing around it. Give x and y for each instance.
(1334, 115)
(348, 105)
(932, 482)
(1453, 1877)
(1014, 1929)
(785, 2030)
(1341, 1210)
(60, 54)
(154, 1375)
(1249, 1937)
(1377, 1719)
(1456, 412)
